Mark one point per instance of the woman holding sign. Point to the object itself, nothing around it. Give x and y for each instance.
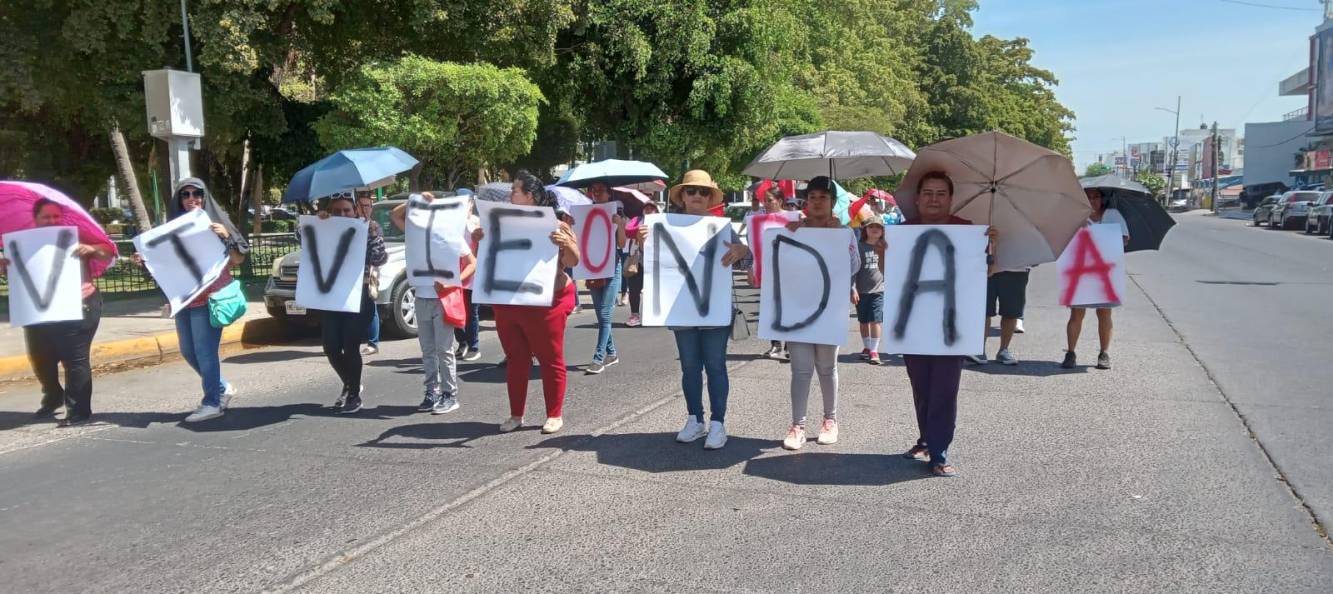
(53, 344)
(1102, 214)
(528, 330)
(604, 290)
(703, 349)
(199, 340)
(808, 358)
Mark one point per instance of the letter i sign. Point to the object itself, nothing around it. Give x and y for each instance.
(1084, 258)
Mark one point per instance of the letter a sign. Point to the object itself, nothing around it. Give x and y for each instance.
(1092, 267)
(934, 290)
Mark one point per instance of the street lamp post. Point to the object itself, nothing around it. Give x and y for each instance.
(1175, 142)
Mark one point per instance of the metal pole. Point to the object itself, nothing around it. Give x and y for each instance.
(1216, 153)
(185, 36)
(1175, 142)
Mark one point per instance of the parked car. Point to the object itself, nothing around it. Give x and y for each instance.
(396, 301)
(1179, 205)
(1264, 211)
(1320, 217)
(1292, 209)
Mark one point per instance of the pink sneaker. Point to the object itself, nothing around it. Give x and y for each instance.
(795, 438)
(634, 321)
(828, 432)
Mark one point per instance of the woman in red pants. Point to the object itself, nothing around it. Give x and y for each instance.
(528, 330)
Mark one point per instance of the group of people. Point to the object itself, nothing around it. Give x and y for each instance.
(528, 333)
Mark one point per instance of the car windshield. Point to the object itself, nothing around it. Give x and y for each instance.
(381, 215)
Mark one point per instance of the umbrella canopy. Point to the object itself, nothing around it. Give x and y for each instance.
(567, 197)
(1029, 194)
(612, 172)
(1147, 221)
(348, 170)
(495, 191)
(1115, 183)
(632, 199)
(17, 199)
(838, 155)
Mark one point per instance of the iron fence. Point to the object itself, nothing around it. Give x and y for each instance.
(126, 279)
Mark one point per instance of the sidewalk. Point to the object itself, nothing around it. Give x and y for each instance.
(133, 333)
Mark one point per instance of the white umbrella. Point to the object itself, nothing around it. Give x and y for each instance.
(1029, 194)
(838, 155)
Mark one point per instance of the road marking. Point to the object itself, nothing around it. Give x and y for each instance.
(338, 560)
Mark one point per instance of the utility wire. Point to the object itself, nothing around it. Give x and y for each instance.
(1273, 6)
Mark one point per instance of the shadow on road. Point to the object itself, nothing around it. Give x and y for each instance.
(272, 356)
(433, 435)
(659, 452)
(869, 470)
(1026, 368)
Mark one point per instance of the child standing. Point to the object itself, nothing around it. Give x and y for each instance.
(868, 290)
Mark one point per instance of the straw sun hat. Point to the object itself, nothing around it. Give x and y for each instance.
(696, 178)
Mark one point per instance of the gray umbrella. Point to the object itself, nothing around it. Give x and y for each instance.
(838, 155)
(494, 191)
(1114, 183)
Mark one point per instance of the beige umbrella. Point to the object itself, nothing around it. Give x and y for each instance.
(1029, 194)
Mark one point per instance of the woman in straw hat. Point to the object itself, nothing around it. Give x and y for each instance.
(808, 358)
(528, 330)
(703, 349)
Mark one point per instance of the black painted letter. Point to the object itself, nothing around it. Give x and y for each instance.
(697, 294)
(777, 284)
(185, 256)
(489, 282)
(322, 282)
(433, 207)
(914, 285)
(42, 299)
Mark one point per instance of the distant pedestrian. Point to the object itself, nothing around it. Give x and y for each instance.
(808, 358)
(365, 207)
(774, 202)
(1006, 296)
(604, 290)
(703, 350)
(868, 293)
(935, 378)
(526, 331)
(1102, 214)
(52, 345)
(469, 336)
(343, 332)
(634, 256)
(199, 340)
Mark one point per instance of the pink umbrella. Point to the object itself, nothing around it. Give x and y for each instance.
(16, 200)
(640, 196)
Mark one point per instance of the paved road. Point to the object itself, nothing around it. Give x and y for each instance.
(1256, 307)
(1143, 478)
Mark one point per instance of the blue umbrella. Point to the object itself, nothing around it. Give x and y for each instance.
(612, 172)
(347, 170)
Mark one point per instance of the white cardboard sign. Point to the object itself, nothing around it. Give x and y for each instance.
(805, 293)
(436, 238)
(596, 233)
(332, 269)
(1092, 267)
(684, 282)
(934, 290)
(45, 277)
(516, 260)
(184, 256)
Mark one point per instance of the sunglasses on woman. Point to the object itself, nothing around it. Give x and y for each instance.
(192, 194)
(697, 191)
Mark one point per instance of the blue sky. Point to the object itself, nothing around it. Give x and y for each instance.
(1118, 59)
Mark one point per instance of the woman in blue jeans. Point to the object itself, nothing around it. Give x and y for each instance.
(199, 340)
(604, 291)
(703, 349)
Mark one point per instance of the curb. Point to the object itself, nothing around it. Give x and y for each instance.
(156, 349)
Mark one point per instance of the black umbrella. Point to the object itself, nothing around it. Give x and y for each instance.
(1114, 183)
(1148, 222)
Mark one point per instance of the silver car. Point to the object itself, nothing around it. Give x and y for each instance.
(1292, 209)
(397, 301)
(1320, 218)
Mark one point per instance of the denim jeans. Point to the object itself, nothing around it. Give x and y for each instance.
(199, 342)
(373, 332)
(603, 302)
(704, 350)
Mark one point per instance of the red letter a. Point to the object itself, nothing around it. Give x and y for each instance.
(1087, 260)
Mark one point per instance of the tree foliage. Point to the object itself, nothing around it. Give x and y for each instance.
(454, 118)
(1096, 169)
(1153, 181)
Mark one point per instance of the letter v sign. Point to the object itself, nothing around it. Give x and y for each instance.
(42, 299)
(1087, 261)
(326, 278)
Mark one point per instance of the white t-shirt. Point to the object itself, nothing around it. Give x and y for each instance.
(1112, 216)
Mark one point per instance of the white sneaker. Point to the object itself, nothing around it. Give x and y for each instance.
(795, 438)
(1018, 328)
(828, 432)
(511, 424)
(369, 350)
(1005, 358)
(204, 413)
(692, 431)
(226, 396)
(717, 436)
(552, 425)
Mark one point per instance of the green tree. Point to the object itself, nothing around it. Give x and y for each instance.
(1096, 169)
(1154, 182)
(454, 118)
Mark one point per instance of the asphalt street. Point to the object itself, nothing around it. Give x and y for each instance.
(1193, 465)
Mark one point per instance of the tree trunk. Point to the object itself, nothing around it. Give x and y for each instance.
(414, 178)
(256, 198)
(245, 170)
(126, 168)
